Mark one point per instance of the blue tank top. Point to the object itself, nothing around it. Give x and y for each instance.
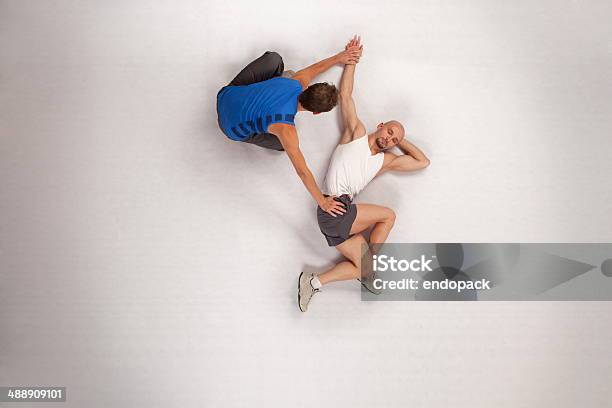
(248, 110)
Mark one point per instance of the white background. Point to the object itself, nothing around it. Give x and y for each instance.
(146, 260)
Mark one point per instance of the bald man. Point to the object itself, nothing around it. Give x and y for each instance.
(358, 158)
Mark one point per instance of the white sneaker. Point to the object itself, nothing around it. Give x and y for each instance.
(305, 290)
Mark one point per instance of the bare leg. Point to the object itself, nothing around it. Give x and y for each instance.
(382, 218)
(351, 269)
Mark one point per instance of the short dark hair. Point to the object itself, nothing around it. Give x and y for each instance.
(321, 97)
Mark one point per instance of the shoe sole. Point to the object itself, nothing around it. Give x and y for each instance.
(299, 297)
(368, 289)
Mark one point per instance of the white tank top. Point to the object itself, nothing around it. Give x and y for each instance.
(352, 167)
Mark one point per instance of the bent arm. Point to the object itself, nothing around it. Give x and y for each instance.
(353, 127)
(413, 159)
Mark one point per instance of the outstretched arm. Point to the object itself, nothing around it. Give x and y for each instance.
(412, 159)
(306, 75)
(289, 139)
(352, 126)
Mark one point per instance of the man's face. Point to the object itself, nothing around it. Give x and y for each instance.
(389, 134)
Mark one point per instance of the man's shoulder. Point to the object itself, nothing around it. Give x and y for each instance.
(286, 133)
(281, 127)
(359, 131)
(356, 134)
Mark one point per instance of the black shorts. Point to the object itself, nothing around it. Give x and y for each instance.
(337, 229)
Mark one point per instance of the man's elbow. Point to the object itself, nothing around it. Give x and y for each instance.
(415, 166)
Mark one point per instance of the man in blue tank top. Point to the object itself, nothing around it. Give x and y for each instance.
(259, 107)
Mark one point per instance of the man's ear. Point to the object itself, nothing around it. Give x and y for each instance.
(315, 113)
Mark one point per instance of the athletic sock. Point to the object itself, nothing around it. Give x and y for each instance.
(315, 283)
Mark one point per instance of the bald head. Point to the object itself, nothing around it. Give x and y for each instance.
(389, 134)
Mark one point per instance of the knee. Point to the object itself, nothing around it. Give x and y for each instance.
(356, 272)
(357, 263)
(390, 216)
(274, 57)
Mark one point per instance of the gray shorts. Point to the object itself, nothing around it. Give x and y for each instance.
(337, 229)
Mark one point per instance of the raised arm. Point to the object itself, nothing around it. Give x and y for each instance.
(352, 126)
(413, 159)
(289, 139)
(306, 75)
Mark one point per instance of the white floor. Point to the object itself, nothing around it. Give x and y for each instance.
(146, 260)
